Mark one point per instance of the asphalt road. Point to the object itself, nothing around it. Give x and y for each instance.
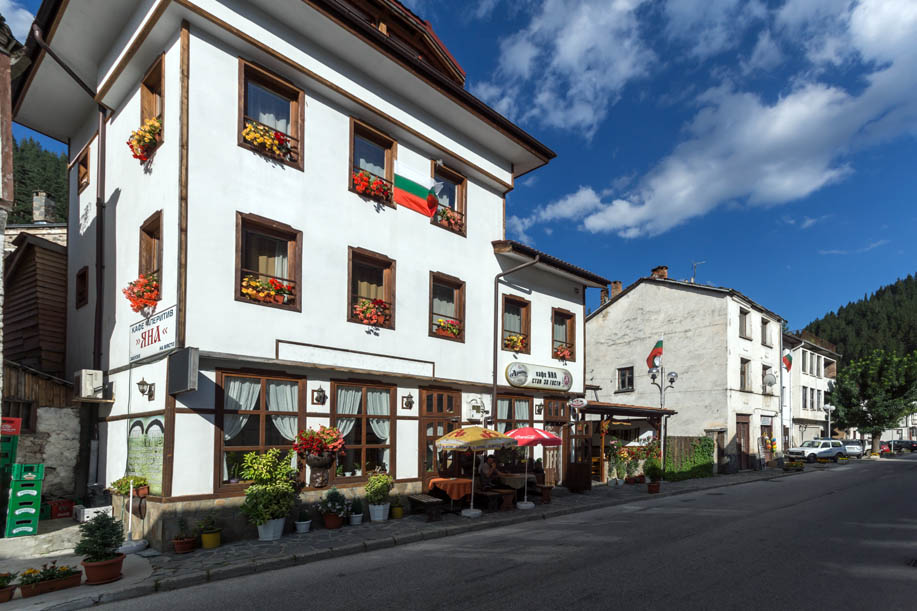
(836, 539)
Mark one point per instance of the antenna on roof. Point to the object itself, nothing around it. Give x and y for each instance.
(694, 265)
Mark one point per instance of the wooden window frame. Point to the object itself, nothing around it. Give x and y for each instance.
(22, 404)
(151, 229)
(461, 196)
(632, 379)
(526, 306)
(81, 287)
(455, 416)
(513, 421)
(743, 323)
(458, 287)
(388, 281)
(556, 410)
(147, 94)
(745, 383)
(367, 132)
(82, 169)
(273, 229)
(765, 332)
(218, 484)
(393, 426)
(281, 86)
(570, 329)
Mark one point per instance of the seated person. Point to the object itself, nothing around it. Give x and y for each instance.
(489, 472)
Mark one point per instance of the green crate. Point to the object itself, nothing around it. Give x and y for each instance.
(9, 444)
(44, 512)
(20, 491)
(26, 509)
(22, 472)
(21, 527)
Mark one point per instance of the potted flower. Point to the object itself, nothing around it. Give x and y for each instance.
(377, 491)
(514, 342)
(397, 508)
(122, 485)
(143, 293)
(653, 470)
(371, 186)
(333, 508)
(100, 539)
(267, 291)
(449, 218)
(210, 532)
(51, 578)
(304, 522)
(630, 468)
(318, 448)
(374, 312)
(356, 512)
(7, 587)
(272, 493)
(183, 541)
(563, 352)
(620, 471)
(448, 328)
(145, 139)
(268, 141)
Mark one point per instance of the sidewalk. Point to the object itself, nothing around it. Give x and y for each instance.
(171, 571)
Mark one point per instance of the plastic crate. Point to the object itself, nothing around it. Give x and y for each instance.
(21, 527)
(9, 444)
(23, 472)
(44, 512)
(62, 508)
(84, 514)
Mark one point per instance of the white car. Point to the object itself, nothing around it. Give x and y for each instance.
(818, 448)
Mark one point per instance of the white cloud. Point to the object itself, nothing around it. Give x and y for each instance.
(765, 56)
(858, 251)
(572, 207)
(17, 17)
(709, 27)
(808, 222)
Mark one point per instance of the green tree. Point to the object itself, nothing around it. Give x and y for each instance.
(875, 392)
(36, 169)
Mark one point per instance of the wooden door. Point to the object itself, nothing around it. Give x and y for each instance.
(554, 454)
(439, 416)
(578, 469)
(742, 441)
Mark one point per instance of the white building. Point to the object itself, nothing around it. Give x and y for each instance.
(722, 345)
(805, 387)
(350, 86)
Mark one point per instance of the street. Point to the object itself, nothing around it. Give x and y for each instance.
(837, 538)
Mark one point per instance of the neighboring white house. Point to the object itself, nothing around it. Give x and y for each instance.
(721, 344)
(350, 87)
(805, 387)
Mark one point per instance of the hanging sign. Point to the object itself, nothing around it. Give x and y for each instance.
(577, 403)
(524, 375)
(153, 335)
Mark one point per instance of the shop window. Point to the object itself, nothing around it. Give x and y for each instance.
(151, 93)
(513, 413)
(26, 411)
(82, 287)
(563, 335)
(372, 163)
(555, 410)
(151, 247)
(745, 374)
(516, 324)
(270, 115)
(268, 269)
(451, 198)
(371, 289)
(625, 379)
(364, 416)
(255, 414)
(82, 170)
(447, 307)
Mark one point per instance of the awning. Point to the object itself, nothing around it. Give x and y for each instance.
(620, 409)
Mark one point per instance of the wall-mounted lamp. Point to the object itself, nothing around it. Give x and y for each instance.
(539, 409)
(146, 389)
(407, 402)
(318, 396)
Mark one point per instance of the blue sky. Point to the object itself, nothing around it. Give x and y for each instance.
(775, 140)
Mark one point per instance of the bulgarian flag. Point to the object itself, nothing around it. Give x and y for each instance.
(654, 360)
(788, 361)
(415, 190)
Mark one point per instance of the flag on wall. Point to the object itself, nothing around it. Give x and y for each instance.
(655, 358)
(415, 190)
(788, 361)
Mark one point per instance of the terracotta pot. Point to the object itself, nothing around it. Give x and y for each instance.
(332, 520)
(7, 593)
(278, 299)
(103, 572)
(142, 491)
(652, 487)
(52, 585)
(183, 546)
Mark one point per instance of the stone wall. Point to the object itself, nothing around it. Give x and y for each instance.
(56, 445)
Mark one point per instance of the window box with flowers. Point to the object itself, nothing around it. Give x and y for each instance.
(267, 291)
(49, 578)
(145, 139)
(373, 312)
(514, 342)
(269, 141)
(563, 352)
(143, 293)
(371, 186)
(448, 327)
(449, 219)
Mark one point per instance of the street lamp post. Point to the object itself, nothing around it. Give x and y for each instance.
(829, 409)
(671, 377)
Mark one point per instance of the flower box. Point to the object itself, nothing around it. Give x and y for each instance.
(564, 353)
(145, 139)
(268, 141)
(448, 328)
(371, 186)
(516, 343)
(374, 312)
(267, 291)
(49, 578)
(143, 293)
(450, 219)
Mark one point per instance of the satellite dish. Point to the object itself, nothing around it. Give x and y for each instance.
(770, 379)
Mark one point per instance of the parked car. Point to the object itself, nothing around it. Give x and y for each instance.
(896, 445)
(854, 447)
(814, 449)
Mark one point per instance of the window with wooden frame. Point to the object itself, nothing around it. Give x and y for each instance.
(82, 170)
(513, 413)
(450, 209)
(555, 410)
(363, 414)
(270, 115)
(370, 288)
(563, 335)
(151, 247)
(744, 331)
(517, 324)
(625, 379)
(372, 163)
(745, 374)
(765, 332)
(447, 307)
(26, 411)
(151, 94)
(254, 413)
(82, 287)
(268, 262)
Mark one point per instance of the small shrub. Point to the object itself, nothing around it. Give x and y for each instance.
(652, 469)
(100, 538)
(356, 508)
(123, 485)
(378, 488)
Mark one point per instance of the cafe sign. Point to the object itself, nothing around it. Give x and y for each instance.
(153, 335)
(524, 375)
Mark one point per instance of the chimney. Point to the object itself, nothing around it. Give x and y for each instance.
(661, 272)
(615, 288)
(42, 207)
(603, 295)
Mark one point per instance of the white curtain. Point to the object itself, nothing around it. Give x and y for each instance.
(239, 394)
(443, 300)
(348, 402)
(267, 107)
(377, 404)
(522, 411)
(369, 156)
(282, 397)
(502, 414)
(560, 331)
(512, 319)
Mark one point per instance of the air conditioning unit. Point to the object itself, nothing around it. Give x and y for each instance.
(88, 384)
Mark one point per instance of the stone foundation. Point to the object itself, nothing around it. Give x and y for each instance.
(57, 446)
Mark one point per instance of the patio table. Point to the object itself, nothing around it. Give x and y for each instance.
(456, 488)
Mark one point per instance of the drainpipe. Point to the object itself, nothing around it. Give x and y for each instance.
(493, 394)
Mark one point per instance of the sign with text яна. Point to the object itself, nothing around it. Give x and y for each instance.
(153, 335)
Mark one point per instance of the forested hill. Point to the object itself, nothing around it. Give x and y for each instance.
(887, 319)
(37, 169)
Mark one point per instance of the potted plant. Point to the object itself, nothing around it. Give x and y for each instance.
(7, 587)
(514, 342)
(210, 532)
(356, 512)
(377, 490)
(100, 539)
(563, 352)
(183, 541)
(143, 293)
(272, 493)
(122, 485)
(630, 469)
(51, 578)
(397, 508)
(621, 472)
(333, 508)
(373, 312)
(371, 186)
(304, 522)
(653, 470)
(449, 218)
(145, 139)
(268, 141)
(267, 291)
(318, 448)
(448, 327)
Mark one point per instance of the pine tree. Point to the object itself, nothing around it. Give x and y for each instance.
(35, 169)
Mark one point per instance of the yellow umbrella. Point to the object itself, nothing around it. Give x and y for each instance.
(474, 438)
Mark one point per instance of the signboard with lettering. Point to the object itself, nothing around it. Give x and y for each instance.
(153, 335)
(577, 403)
(524, 375)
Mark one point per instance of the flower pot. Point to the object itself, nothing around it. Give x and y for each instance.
(303, 527)
(397, 513)
(641, 479)
(103, 572)
(652, 487)
(619, 483)
(318, 468)
(271, 530)
(332, 520)
(7, 593)
(356, 519)
(378, 513)
(53, 585)
(278, 299)
(210, 539)
(142, 491)
(183, 546)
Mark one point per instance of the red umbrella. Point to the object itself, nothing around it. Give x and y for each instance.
(530, 436)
